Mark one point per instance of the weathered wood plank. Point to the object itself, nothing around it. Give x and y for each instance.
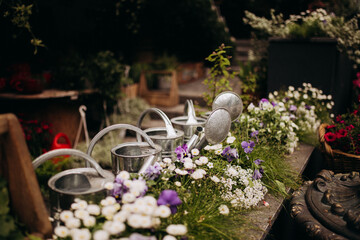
(16, 166)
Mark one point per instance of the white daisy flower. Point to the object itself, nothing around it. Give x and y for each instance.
(93, 209)
(230, 140)
(123, 175)
(177, 183)
(224, 210)
(89, 221)
(66, 215)
(101, 235)
(128, 198)
(109, 185)
(162, 211)
(81, 213)
(176, 229)
(73, 223)
(195, 152)
(61, 231)
(82, 234)
(121, 216)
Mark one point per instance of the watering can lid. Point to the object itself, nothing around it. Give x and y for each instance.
(217, 126)
(231, 102)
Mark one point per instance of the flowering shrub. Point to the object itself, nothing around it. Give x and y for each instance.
(308, 24)
(344, 134)
(37, 135)
(270, 121)
(306, 106)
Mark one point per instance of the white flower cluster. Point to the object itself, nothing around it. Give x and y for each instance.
(307, 106)
(272, 121)
(346, 32)
(142, 213)
(194, 167)
(239, 188)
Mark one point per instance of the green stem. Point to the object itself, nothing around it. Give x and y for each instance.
(216, 230)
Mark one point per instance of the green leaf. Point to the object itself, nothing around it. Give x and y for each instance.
(281, 186)
(6, 225)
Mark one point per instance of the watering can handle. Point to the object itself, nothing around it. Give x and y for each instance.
(169, 127)
(189, 107)
(100, 134)
(68, 151)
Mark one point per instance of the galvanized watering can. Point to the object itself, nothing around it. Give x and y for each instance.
(231, 102)
(167, 137)
(84, 183)
(188, 124)
(134, 157)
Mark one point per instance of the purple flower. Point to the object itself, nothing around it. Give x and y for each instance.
(292, 117)
(254, 133)
(153, 172)
(248, 146)
(181, 151)
(169, 198)
(263, 100)
(307, 107)
(274, 103)
(286, 99)
(261, 124)
(258, 161)
(293, 108)
(138, 236)
(230, 153)
(257, 174)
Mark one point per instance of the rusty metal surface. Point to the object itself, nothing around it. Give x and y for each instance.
(328, 207)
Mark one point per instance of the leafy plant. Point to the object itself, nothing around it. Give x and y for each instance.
(249, 82)
(9, 228)
(220, 74)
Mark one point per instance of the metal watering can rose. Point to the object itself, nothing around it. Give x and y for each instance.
(167, 137)
(231, 102)
(188, 124)
(84, 183)
(134, 157)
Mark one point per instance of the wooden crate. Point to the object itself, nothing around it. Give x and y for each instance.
(165, 98)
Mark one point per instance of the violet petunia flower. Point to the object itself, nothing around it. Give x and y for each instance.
(138, 236)
(230, 153)
(248, 146)
(153, 172)
(169, 198)
(255, 134)
(257, 175)
(181, 151)
(293, 108)
(258, 161)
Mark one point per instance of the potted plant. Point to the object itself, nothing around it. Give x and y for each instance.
(315, 46)
(340, 142)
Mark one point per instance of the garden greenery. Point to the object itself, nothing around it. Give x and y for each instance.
(308, 24)
(188, 196)
(220, 74)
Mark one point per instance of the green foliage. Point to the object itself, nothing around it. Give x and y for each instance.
(19, 14)
(249, 83)
(220, 74)
(9, 228)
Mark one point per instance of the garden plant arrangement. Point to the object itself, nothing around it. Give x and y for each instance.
(340, 141)
(317, 23)
(187, 197)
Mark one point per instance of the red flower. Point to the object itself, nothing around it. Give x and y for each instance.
(348, 128)
(38, 130)
(341, 133)
(28, 137)
(355, 112)
(338, 118)
(330, 137)
(330, 126)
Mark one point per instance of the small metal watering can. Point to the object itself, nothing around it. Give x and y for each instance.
(188, 124)
(84, 183)
(134, 157)
(167, 137)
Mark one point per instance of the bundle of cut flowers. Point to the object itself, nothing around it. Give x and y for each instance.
(307, 107)
(344, 133)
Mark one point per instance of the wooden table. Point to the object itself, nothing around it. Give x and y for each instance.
(57, 107)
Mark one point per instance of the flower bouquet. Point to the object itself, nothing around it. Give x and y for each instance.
(340, 142)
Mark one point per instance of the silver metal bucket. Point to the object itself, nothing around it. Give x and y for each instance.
(188, 124)
(167, 137)
(134, 157)
(83, 183)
